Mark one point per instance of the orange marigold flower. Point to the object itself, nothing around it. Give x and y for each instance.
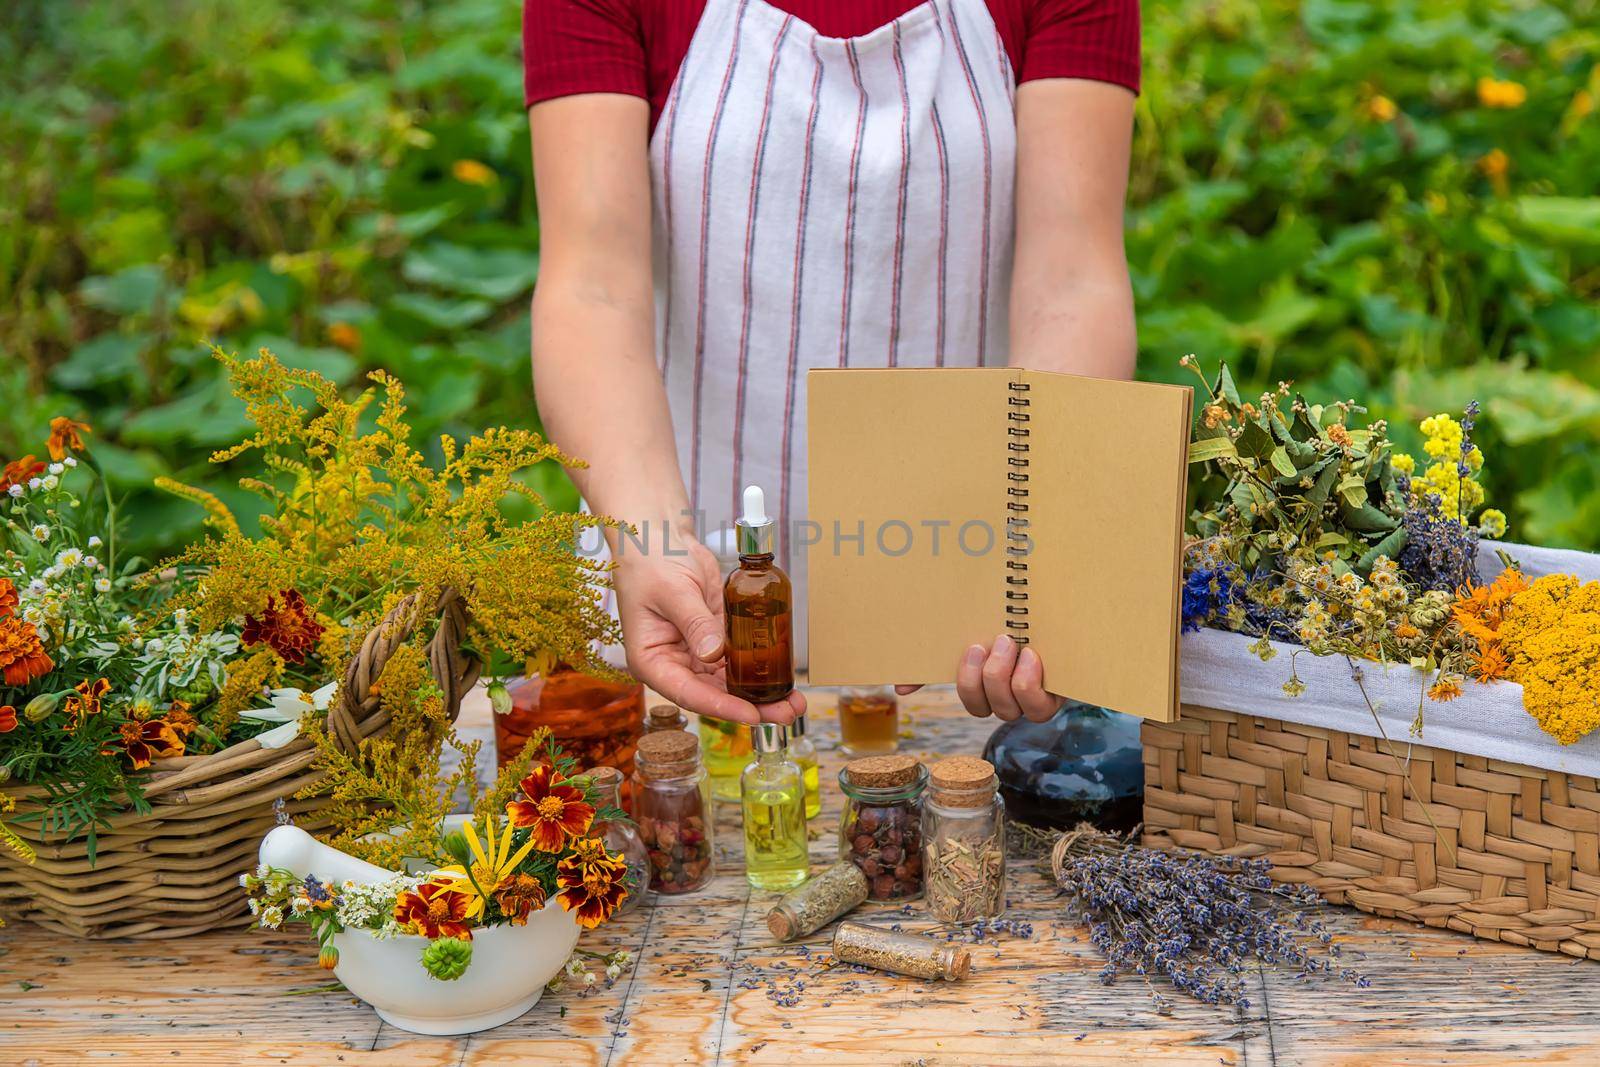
(345, 335)
(64, 437)
(178, 717)
(8, 719)
(1446, 689)
(594, 891)
(22, 654)
(291, 631)
(18, 471)
(8, 598)
(143, 742)
(434, 910)
(1405, 631)
(518, 896)
(1491, 663)
(84, 702)
(554, 811)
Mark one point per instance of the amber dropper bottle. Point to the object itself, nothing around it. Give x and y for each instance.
(757, 599)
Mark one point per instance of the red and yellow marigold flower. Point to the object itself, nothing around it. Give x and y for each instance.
(8, 598)
(178, 717)
(18, 471)
(84, 701)
(8, 718)
(291, 631)
(144, 742)
(520, 895)
(22, 654)
(590, 884)
(435, 909)
(64, 437)
(552, 811)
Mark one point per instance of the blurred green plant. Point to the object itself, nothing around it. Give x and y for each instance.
(1390, 199)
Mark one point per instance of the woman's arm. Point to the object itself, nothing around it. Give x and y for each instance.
(1071, 304)
(601, 396)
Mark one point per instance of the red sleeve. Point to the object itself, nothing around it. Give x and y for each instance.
(581, 46)
(1095, 39)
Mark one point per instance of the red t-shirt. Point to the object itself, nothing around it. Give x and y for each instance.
(636, 46)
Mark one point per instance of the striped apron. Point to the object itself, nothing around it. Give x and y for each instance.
(822, 202)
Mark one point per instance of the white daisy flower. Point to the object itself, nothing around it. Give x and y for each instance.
(41, 533)
(69, 557)
(69, 462)
(16, 491)
(56, 468)
(34, 483)
(102, 585)
(50, 481)
(94, 539)
(91, 562)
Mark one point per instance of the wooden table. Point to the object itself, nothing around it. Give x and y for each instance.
(709, 978)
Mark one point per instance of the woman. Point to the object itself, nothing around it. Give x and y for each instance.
(734, 191)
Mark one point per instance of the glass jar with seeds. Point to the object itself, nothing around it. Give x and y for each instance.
(880, 830)
(964, 841)
(818, 902)
(672, 805)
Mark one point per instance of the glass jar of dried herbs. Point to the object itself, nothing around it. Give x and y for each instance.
(880, 830)
(964, 841)
(672, 805)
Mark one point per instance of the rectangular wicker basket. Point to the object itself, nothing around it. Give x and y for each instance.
(1501, 851)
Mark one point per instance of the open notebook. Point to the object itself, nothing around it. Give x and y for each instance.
(953, 505)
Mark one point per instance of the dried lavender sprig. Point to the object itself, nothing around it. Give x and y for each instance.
(1198, 921)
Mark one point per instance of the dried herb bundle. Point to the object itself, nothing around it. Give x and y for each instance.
(1197, 920)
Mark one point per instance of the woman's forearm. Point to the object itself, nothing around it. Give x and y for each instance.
(599, 391)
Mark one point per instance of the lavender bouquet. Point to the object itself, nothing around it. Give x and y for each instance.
(1197, 921)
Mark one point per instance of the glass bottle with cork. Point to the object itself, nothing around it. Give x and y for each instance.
(964, 841)
(773, 797)
(672, 805)
(665, 717)
(880, 830)
(621, 838)
(869, 720)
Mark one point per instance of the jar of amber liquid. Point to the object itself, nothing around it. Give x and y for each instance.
(596, 722)
(869, 720)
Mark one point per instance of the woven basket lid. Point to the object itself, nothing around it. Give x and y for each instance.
(669, 746)
(881, 772)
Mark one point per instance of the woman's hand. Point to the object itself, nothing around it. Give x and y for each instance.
(1005, 680)
(673, 631)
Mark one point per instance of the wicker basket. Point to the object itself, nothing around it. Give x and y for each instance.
(175, 870)
(1501, 851)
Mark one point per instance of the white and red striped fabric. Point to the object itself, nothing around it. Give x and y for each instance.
(823, 202)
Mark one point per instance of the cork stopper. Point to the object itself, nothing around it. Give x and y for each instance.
(665, 717)
(882, 772)
(669, 746)
(604, 777)
(959, 964)
(962, 781)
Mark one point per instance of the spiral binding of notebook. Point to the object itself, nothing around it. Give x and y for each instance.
(1017, 543)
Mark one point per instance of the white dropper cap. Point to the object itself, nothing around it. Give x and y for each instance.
(754, 527)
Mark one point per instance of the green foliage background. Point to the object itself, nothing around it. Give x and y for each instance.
(304, 175)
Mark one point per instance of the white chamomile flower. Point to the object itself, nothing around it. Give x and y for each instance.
(34, 483)
(91, 562)
(50, 481)
(69, 557)
(272, 916)
(56, 468)
(94, 539)
(589, 978)
(51, 573)
(37, 587)
(16, 491)
(69, 462)
(41, 533)
(255, 906)
(574, 966)
(102, 585)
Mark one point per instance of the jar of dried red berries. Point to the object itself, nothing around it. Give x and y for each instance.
(672, 805)
(881, 828)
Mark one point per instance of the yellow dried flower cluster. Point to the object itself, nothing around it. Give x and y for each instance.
(248, 677)
(1551, 636)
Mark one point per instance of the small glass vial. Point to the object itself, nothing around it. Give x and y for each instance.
(757, 601)
(869, 720)
(672, 804)
(880, 830)
(803, 752)
(817, 903)
(901, 952)
(727, 749)
(964, 841)
(665, 717)
(621, 838)
(773, 796)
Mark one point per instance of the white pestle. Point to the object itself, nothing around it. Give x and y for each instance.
(296, 851)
